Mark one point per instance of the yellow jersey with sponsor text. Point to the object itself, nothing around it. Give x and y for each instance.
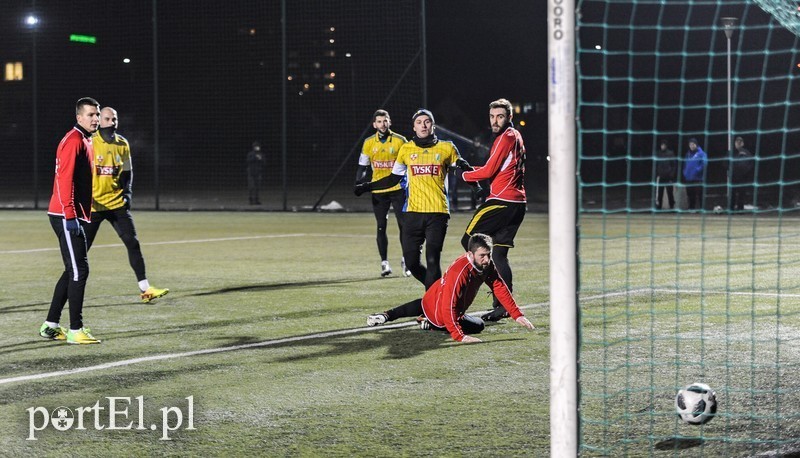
(426, 171)
(380, 156)
(110, 160)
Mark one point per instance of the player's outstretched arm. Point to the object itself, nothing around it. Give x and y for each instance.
(383, 183)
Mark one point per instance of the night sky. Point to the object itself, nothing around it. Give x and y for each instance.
(479, 51)
(219, 85)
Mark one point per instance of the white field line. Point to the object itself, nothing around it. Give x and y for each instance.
(742, 242)
(209, 351)
(644, 291)
(221, 239)
(322, 335)
(169, 242)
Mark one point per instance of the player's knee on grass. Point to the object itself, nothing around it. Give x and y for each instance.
(472, 324)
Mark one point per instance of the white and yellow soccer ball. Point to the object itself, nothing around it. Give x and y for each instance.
(696, 404)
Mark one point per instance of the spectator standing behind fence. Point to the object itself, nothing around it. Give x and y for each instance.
(666, 173)
(694, 172)
(255, 170)
(742, 167)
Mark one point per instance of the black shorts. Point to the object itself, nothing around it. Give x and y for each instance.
(499, 220)
(430, 228)
(383, 200)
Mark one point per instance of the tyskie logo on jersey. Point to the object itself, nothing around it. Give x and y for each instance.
(382, 164)
(107, 170)
(432, 169)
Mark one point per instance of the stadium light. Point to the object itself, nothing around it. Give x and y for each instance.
(729, 23)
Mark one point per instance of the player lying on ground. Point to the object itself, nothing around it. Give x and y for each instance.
(445, 303)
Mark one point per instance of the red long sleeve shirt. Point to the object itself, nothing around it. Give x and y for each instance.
(505, 167)
(449, 298)
(72, 185)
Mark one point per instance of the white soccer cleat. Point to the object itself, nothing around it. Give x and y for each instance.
(376, 319)
(405, 270)
(385, 269)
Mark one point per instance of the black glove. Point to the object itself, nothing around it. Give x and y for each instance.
(481, 192)
(462, 164)
(74, 227)
(361, 188)
(127, 202)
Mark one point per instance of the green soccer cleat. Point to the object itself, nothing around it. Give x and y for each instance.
(153, 293)
(81, 336)
(47, 332)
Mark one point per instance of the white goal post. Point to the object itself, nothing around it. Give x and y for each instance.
(562, 201)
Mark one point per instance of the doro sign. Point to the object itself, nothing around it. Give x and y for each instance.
(558, 14)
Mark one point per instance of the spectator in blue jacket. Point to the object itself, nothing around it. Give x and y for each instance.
(694, 173)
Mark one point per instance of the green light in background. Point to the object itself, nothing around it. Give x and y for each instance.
(83, 39)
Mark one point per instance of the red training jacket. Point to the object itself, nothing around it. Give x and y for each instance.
(505, 167)
(72, 185)
(450, 297)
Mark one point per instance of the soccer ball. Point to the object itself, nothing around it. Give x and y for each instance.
(696, 404)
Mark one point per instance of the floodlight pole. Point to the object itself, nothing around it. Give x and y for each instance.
(729, 23)
(35, 112)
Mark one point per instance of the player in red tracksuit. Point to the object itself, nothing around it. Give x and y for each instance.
(70, 208)
(446, 302)
(502, 213)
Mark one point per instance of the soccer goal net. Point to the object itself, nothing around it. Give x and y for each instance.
(698, 282)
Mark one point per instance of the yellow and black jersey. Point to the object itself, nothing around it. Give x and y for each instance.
(426, 172)
(110, 160)
(381, 156)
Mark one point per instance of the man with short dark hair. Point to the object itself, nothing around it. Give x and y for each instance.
(70, 208)
(445, 303)
(378, 155)
(504, 209)
(424, 162)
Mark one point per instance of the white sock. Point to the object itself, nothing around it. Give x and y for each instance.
(143, 285)
(51, 324)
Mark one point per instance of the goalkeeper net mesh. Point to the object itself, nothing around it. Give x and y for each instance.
(673, 296)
